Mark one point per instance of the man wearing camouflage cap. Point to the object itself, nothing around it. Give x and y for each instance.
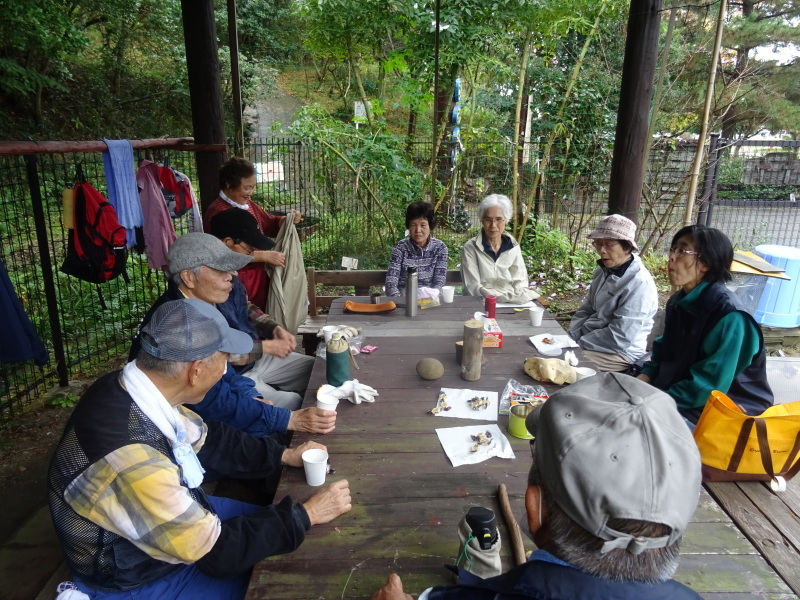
(123, 484)
(614, 482)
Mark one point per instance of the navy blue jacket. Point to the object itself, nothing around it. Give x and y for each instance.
(542, 580)
(20, 342)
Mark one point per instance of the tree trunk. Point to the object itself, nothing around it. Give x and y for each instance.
(641, 54)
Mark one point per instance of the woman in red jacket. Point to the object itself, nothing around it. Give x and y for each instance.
(237, 182)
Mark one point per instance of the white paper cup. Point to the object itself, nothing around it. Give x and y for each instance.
(584, 372)
(447, 293)
(315, 463)
(537, 312)
(327, 402)
(328, 332)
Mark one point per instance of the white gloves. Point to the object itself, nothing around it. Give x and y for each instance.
(570, 358)
(345, 330)
(352, 390)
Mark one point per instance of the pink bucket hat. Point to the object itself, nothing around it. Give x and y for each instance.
(615, 227)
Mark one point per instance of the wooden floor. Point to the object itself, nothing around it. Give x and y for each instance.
(769, 521)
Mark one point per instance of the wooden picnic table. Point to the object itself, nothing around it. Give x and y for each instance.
(407, 497)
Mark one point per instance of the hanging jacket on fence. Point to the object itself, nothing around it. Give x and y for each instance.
(195, 219)
(159, 233)
(177, 193)
(288, 288)
(122, 191)
(19, 339)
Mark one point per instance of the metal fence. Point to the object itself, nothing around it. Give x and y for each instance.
(83, 326)
(84, 338)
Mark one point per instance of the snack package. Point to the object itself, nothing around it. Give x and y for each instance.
(518, 393)
(423, 303)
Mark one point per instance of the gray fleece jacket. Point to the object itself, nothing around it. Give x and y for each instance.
(617, 314)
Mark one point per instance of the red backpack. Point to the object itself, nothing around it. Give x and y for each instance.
(96, 250)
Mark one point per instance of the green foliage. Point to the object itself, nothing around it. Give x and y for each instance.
(269, 31)
(92, 69)
(741, 191)
(731, 170)
(364, 183)
(349, 234)
(553, 265)
(68, 400)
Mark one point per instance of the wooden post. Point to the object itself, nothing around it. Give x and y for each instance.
(473, 350)
(236, 87)
(202, 65)
(636, 92)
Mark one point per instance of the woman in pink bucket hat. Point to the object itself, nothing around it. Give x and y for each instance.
(616, 316)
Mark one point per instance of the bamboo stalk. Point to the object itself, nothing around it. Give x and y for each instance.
(512, 525)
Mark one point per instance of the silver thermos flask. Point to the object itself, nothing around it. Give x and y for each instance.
(411, 292)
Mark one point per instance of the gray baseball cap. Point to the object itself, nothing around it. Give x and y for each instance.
(202, 249)
(190, 329)
(613, 446)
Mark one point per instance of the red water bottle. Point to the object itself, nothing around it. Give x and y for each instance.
(490, 306)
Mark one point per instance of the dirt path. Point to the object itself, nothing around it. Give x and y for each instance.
(281, 108)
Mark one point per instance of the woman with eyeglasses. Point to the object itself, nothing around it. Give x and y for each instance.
(616, 316)
(710, 341)
(491, 262)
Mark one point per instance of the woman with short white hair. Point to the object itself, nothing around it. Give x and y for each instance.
(491, 262)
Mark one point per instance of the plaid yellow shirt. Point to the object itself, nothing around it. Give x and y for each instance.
(136, 492)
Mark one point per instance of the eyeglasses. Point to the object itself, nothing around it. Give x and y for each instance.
(247, 248)
(490, 221)
(679, 252)
(607, 245)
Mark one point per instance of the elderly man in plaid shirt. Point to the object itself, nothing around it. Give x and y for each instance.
(124, 482)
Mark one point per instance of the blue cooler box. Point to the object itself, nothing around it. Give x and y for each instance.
(780, 302)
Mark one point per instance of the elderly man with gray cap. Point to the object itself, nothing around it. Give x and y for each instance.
(124, 481)
(616, 316)
(614, 482)
(204, 268)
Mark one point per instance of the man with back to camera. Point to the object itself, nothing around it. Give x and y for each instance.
(123, 484)
(614, 482)
(203, 267)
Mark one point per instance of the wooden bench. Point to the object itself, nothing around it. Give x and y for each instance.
(361, 281)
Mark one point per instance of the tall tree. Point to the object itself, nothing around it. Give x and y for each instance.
(755, 89)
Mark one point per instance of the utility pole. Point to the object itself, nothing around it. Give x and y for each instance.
(636, 92)
(205, 91)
